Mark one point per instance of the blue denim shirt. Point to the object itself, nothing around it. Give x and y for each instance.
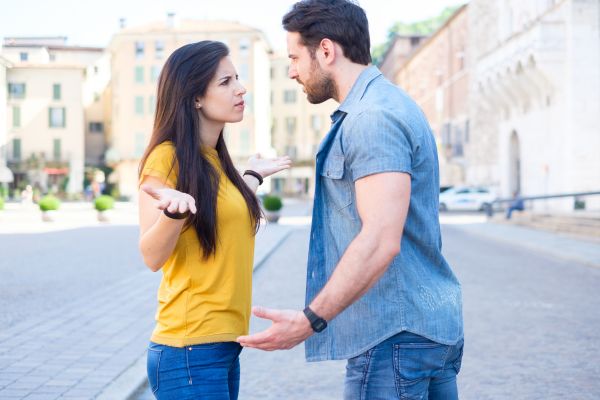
(378, 128)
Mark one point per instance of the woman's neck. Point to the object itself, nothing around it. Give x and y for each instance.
(209, 132)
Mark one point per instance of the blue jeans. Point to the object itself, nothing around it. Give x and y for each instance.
(405, 366)
(206, 371)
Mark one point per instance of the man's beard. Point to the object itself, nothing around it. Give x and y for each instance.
(320, 87)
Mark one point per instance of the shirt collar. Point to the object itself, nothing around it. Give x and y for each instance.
(359, 88)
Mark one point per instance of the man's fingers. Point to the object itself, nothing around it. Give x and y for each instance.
(266, 313)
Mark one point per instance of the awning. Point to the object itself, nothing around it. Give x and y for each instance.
(56, 171)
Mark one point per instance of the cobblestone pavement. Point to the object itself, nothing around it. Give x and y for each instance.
(76, 310)
(531, 320)
(532, 323)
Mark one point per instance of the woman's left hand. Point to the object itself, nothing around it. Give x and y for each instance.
(268, 166)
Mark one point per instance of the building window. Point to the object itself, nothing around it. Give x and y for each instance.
(56, 117)
(244, 73)
(96, 127)
(57, 150)
(16, 90)
(291, 151)
(245, 141)
(139, 74)
(244, 46)
(290, 125)
(316, 122)
(16, 147)
(56, 91)
(467, 131)
(24, 56)
(140, 144)
(151, 104)
(52, 57)
(154, 73)
(289, 96)
(139, 105)
(159, 49)
(139, 50)
(272, 72)
(16, 117)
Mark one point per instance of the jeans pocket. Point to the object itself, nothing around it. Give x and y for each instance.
(457, 362)
(414, 365)
(153, 366)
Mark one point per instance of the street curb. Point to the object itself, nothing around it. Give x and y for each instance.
(127, 383)
(134, 377)
(266, 255)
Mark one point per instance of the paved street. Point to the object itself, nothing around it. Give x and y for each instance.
(67, 298)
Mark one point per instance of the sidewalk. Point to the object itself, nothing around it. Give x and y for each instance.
(94, 347)
(554, 244)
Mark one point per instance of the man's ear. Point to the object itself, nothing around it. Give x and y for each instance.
(328, 51)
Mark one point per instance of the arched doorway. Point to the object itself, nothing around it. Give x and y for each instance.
(514, 173)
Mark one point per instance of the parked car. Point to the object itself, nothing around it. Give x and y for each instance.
(466, 198)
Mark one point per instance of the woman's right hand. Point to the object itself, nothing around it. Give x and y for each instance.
(171, 200)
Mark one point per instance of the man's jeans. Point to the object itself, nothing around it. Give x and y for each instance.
(405, 366)
(205, 371)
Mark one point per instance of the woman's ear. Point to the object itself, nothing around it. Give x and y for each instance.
(198, 102)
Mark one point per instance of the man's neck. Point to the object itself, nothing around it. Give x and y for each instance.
(346, 77)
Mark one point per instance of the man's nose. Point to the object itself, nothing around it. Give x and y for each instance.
(292, 73)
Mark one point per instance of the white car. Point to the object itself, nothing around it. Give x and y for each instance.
(466, 199)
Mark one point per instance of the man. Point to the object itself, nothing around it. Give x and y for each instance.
(379, 293)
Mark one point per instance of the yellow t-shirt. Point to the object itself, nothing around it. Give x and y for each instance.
(204, 301)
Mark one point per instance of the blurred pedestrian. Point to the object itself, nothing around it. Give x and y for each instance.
(517, 204)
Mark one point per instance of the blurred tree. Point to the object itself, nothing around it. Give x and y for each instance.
(425, 28)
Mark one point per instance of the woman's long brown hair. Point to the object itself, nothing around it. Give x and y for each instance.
(185, 76)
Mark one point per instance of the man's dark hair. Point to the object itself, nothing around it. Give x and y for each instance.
(341, 21)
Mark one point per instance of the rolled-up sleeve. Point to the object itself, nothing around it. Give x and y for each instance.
(374, 142)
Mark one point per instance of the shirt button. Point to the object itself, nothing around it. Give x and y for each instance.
(313, 275)
(189, 348)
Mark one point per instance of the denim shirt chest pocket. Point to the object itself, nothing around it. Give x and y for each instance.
(336, 181)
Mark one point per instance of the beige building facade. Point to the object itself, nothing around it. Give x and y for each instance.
(6, 175)
(137, 56)
(46, 112)
(436, 76)
(297, 129)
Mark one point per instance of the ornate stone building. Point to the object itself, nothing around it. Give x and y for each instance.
(535, 98)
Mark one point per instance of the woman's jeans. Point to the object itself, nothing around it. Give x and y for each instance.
(405, 366)
(207, 371)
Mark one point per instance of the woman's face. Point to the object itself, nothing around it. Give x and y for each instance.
(223, 101)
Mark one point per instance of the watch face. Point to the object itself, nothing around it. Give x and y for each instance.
(319, 325)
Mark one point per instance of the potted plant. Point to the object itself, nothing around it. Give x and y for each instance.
(103, 204)
(48, 205)
(272, 205)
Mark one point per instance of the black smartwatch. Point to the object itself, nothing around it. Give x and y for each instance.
(316, 322)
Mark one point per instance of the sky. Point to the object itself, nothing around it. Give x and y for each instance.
(92, 23)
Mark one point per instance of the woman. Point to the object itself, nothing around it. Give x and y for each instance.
(198, 218)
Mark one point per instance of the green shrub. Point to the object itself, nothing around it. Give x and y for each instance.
(272, 203)
(104, 202)
(1, 203)
(49, 203)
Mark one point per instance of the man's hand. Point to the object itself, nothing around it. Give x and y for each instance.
(289, 329)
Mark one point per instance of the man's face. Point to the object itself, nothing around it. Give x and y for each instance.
(305, 69)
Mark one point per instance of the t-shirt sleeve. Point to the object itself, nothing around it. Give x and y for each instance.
(376, 142)
(159, 164)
